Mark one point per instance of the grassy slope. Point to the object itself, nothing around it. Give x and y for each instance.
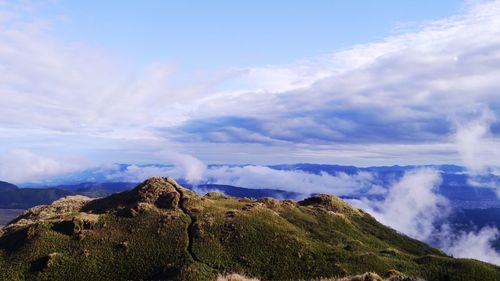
(180, 235)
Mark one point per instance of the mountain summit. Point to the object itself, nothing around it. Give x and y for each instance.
(163, 231)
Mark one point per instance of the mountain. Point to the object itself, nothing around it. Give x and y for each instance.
(163, 231)
(97, 189)
(13, 197)
(7, 186)
(332, 169)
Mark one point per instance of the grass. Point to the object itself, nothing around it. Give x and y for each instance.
(170, 233)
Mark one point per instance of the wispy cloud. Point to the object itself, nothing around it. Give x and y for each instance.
(251, 176)
(375, 101)
(476, 245)
(408, 75)
(23, 166)
(407, 89)
(414, 207)
(189, 167)
(476, 143)
(478, 149)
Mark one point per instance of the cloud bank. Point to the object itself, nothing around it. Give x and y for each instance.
(476, 143)
(389, 102)
(23, 166)
(295, 181)
(413, 207)
(406, 89)
(250, 176)
(479, 151)
(475, 245)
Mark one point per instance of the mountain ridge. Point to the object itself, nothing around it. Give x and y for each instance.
(161, 230)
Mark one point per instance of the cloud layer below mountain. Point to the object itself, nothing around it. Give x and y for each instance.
(413, 207)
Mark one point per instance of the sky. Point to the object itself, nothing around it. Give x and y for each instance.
(86, 83)
(209, 35)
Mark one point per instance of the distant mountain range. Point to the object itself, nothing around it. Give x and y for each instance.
(13, 197)
(455, 185)
(102, 181)
(120, 172)
(331, 169)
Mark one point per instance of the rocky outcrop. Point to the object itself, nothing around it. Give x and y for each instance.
(330, 203)
(59, 210)
(156, 192)
(160, 192)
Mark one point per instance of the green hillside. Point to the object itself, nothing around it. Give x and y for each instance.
(162, 231)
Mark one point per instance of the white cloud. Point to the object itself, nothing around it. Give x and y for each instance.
(55, 89)
(135, 173)
(183, 166)
(191, 168)
(475, 144)
(412, 205)
(71, 88)
(475, 245)
(295, 181)
(204, 191)
(249, 176)
(406, 89)
(478, 149)
(23, 166)
(373, 102)
(429, 68)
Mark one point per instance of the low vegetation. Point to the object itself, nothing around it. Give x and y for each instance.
(162, 231)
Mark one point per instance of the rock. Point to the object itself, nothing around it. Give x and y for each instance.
(330, 203)
(46, 262)
(369, 276)
(57, 210)
(159, 192)
(389, 252)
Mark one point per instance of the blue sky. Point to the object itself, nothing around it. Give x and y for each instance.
(211, 34)
(86, 83)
